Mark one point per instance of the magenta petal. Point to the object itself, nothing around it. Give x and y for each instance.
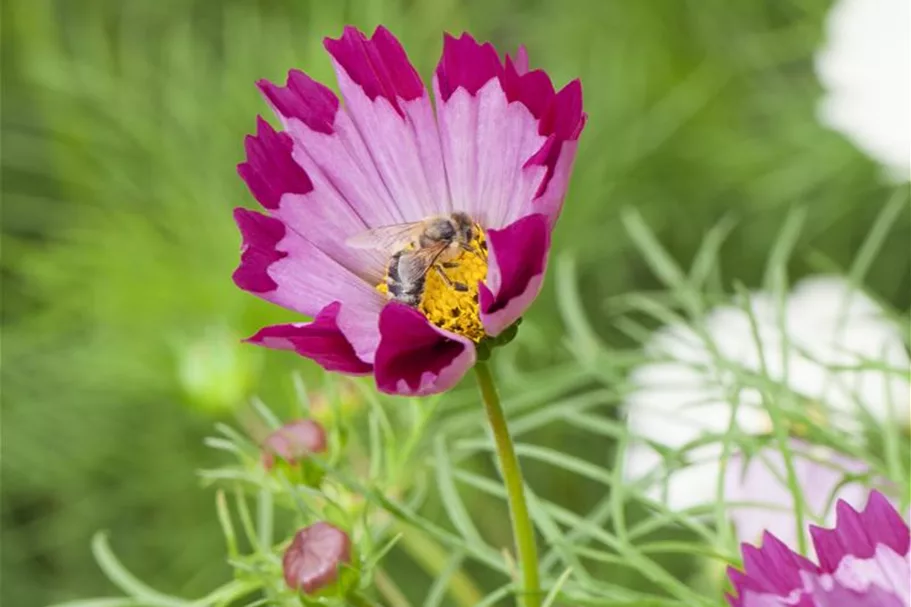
(378, 65)
(466, 64)
(564, 117)
(859, 533)
(303, 98)
(269, 170)
(321, 341)
(415, 357)
(517, 260)
(774, 567)
(260, 236)
(280, 266)
(562, 123)
(533, 89)
(303, 199)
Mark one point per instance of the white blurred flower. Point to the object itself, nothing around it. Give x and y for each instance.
(865, 67)
(687, 394)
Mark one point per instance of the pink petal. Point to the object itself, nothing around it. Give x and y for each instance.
(487, 142)
(823, 478)
(557, 159)
(501, 155)
(828, 592)
(885, 569)
(859, 533)
(416, 358)
(517, 257)
(321, 341)
(280, 266)
(350, 194)
(389, 105)
(303, 199)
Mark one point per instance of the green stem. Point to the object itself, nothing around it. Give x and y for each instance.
(522, 528)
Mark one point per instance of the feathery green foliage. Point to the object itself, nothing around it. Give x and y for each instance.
(121, 127)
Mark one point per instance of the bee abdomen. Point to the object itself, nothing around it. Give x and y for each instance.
(409, 293)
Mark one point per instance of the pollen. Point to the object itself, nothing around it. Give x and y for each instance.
(451, 303)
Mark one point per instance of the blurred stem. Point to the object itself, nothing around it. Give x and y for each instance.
(432, 558)
(389, 590)
(522, 529)
(356, 599)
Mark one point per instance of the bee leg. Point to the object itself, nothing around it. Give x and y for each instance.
(470, 249)
(458, 286)
(449, 265)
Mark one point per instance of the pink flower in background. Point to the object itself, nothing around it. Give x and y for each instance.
(498, 147)
(823, 475)
(863, 562)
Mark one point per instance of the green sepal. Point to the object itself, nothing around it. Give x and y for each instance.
(486, 345)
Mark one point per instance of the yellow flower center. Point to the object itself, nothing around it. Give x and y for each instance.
(451, 303)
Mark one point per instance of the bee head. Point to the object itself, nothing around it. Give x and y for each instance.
(441, 230)
(463, 226)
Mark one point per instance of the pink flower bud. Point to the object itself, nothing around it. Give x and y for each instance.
(293, 442)
(312, 561)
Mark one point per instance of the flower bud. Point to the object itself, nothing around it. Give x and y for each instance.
(318, 561)
(291, 445)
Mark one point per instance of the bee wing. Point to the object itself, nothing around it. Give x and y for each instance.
(389, 238)
(415, 264)
(427, 256)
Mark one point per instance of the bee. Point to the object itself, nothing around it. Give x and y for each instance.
(416, 248)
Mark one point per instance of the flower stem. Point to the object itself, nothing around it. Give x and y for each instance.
(522, 529)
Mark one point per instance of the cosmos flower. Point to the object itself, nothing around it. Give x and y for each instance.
(684, 399)
(865, 67)
(863, 562)
(315, 557)
(498, 146)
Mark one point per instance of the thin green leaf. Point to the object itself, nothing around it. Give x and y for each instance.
(551, 597)
(450, 497)
(437, 591)
(126, 581)
(227, 527)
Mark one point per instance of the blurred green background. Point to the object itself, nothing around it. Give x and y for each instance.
(122, 124)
